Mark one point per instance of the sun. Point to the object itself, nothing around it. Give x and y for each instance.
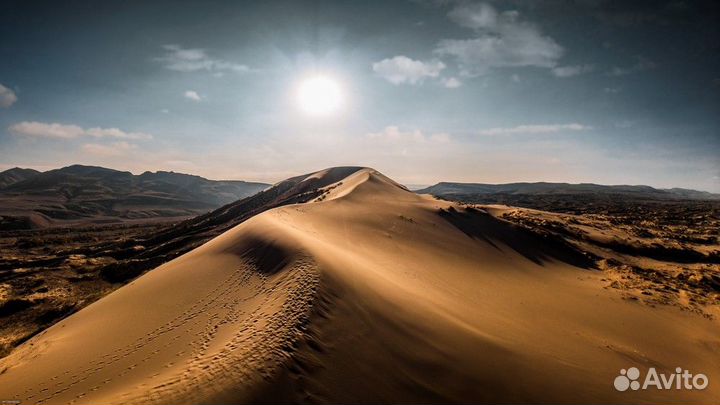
(319, 96)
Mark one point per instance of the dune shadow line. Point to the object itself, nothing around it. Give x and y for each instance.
(534, 246)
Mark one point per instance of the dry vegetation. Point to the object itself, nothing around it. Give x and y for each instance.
(656, 253)
(46, 275)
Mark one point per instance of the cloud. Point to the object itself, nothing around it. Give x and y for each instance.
(477, 56)
(534, 129)
(574, 70)
(7, 97)
(43, 130)
(501, 40)
(640, 65)
(113, 149)
(451, 82)
(478, 16)
(193, 95)
(401, 69)
(393, 134)
(61, 131)
(115, 133)
(182, 59)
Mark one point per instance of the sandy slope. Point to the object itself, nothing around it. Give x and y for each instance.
(370, 294)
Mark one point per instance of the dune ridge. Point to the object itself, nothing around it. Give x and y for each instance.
(369, 293)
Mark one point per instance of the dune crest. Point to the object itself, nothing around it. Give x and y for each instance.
(369, 293)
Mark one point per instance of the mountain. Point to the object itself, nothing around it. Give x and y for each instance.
(14, 175)
(693, 194)
(413, 187)
(574, 198)
(342, 286)
(542, 188)
(88, 194)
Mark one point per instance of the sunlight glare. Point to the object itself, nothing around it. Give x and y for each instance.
(319, 95)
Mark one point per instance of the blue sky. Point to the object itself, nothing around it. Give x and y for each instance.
(588, 91)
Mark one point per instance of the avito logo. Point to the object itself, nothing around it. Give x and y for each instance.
(680, 380)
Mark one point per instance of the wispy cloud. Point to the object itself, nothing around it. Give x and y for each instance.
(394, 134)
(401, 69)
(182, 59)
(534, 129)
(451, 82)
(193, 95)
(35, 129)
(640, 65)
(501, 40)
(7, 97)
(572, 70)
(114, 149)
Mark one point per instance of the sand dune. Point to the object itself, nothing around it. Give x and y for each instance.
(368, 294)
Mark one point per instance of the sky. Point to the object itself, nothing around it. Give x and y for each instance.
(601, 91)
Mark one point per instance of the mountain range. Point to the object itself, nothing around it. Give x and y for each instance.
(82, 194)
(543, 188)
(77, 194)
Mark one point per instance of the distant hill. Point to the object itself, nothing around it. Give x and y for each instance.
(413, 187)
(542, 188)
(14, 175)
(693, 194)
(31, 199)
(575, 198)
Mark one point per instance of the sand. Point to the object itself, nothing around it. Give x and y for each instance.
(368, 294)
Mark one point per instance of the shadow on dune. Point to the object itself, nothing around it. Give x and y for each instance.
(536, 247)
(265, 256)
